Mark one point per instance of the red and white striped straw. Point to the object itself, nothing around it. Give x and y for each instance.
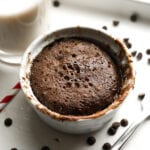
(11, 94)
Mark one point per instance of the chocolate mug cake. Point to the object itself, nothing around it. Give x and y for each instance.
(75, 76)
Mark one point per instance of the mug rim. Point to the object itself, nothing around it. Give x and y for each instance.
(25, 81)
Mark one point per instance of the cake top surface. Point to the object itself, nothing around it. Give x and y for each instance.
(74, 77)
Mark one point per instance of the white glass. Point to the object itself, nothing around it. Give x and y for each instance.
(21, 21)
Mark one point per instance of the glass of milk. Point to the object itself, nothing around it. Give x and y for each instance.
(21, 21)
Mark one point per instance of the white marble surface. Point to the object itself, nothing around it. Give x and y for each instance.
(28, 132)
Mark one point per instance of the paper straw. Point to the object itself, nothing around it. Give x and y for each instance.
(10, 95)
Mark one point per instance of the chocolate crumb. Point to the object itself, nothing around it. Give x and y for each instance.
(107, 146)
(115, 23)
(139, 56)
(148, 51)
(148, 61)
(124, 122)
(111, 131)
(45, 148)
(134, 53)
(56, 3)
(14, 148)
(104, 27)
(91, 140)
(134, 17)
(141, 96)
(116, 125)
(8, 122)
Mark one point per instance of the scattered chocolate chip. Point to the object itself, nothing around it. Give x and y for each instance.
(115, 23)
(104, 27)
(107, 146)
(124, 122)
(126, 39)
(45, 148)
(148, 51)
(13, 148)
(139, 56)
(141, 96)
(56, 3)
(134, 17)
(134, 53)
(116, 125)
(8, 122)
(148, 61)
(111, 131)
(129, 45)
(91, 140)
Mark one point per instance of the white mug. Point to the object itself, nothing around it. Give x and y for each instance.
(21, 21)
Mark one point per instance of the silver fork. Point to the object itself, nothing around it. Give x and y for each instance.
(122, 140)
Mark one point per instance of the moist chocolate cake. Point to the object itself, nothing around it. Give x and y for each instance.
(74, 77)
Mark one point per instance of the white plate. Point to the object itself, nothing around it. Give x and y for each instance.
(28, 132)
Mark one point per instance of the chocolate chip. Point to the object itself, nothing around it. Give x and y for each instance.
(13, 148)
(129, 45)
(8, 122)
(134, 53)
(111, 131)
(139, 56)
(91, 140)
(134, 17)
(124, 122)
(141, 96)
(107, 146)
(126, 39)
(104, 27)
(148, 51)
(148, 61)
(45, 148)
(56, 3)
(116, 125)
(115, 23)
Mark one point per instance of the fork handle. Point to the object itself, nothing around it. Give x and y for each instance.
(122, 140)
